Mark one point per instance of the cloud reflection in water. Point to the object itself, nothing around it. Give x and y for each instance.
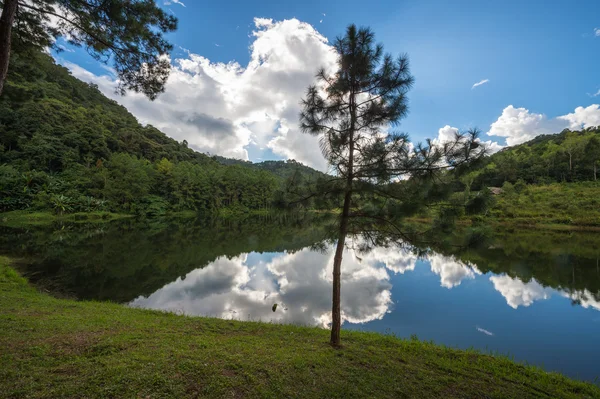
(246, 287)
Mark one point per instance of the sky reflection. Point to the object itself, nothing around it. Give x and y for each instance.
(245, 287)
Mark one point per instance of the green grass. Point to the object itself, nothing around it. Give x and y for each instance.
(26, 218)
(559, 206)
(568, 204)
(56, 348)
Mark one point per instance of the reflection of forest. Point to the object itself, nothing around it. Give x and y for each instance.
(123, 260)
(566, 261)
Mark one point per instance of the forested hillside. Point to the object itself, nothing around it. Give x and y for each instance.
(283, 169)
(65, 146)
(568, 156)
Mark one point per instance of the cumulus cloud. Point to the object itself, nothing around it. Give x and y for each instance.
(447, 134)
(481, 82)
(300, 283)
(246, 287)
(597, 32)
(585, 298)
(583, 117)
(224, 108)
(395, 260)
(451, 271)
(518, 293)
(519, 125)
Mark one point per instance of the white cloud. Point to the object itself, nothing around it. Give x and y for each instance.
(583, 117)
(263, 22)
(169, 2)
(518, 293)
(596, 94)
(299, 282)
(492, 146)
(597, 32)
(585, 298)
(395, 260)
(447, 133)
(223, 108)
(451, 271)
(519, 125)
(481, 82)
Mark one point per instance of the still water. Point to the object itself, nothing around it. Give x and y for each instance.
(530, 294)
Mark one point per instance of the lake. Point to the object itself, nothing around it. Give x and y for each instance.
(534, 295)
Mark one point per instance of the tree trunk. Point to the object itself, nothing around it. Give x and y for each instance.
(336, 316)
(6, 22)
(571, 166)
(595, 170)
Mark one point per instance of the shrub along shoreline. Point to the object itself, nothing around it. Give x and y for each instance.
(54, 348)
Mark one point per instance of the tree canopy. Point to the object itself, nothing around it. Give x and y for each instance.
(566, 156)
(127, 34)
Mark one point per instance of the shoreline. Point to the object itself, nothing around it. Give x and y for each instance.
(26, 219)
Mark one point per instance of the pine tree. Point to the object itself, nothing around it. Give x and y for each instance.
(351, 111)
(128, 33)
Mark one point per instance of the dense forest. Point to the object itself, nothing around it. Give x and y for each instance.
(65, 147)
(568, 156)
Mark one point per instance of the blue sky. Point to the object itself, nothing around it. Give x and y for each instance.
(541, 57)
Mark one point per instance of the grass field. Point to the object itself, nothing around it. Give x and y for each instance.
(570, 204)
(56, 348)
(25, 218)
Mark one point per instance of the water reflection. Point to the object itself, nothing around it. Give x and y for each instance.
(451, 271)
(517, 293)
(245, 287)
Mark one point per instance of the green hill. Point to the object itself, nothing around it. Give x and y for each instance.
(65, 146)
(283, 169)
(568, 156)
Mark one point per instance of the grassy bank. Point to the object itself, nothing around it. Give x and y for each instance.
(41, 218)
(25, 218)
(53, 348)
(567, 204)
(559, 206)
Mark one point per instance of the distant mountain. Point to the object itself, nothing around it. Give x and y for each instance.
(283, 169)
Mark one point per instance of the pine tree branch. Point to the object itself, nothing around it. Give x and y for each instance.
(116, 49)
